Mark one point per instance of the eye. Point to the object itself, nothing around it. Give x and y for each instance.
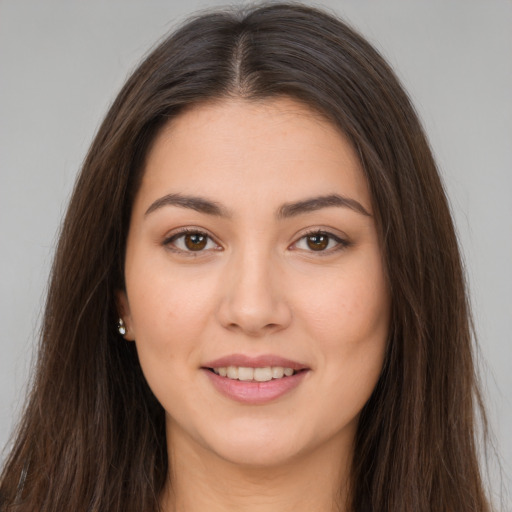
(320, 241)
(191, 241)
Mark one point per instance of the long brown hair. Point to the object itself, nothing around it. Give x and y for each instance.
(92, 436)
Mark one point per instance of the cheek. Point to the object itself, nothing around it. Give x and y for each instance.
(164, 300)
(352, 329)
(348, 318)
(168, 315)
(352, 307)
(168, 312)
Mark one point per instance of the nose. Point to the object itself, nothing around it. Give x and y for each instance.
(253, 295)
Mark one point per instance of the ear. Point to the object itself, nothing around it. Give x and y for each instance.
(123, 309)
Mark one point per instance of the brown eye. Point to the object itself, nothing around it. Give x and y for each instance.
(191, 241)
(321, 242)
(317, 242)
(195, 241)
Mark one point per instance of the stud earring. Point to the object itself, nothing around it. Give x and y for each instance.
(121, 327)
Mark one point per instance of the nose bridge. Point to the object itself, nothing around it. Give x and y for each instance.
(253, 298)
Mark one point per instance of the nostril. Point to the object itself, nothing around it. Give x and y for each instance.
(255, 314)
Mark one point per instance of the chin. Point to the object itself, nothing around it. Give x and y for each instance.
(243, 441)
(256, 454)
(260, 444)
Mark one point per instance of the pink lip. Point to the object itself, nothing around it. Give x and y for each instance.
(252, 392)
(255, 362)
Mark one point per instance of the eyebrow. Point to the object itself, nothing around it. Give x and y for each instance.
(317, 203)
(209, 207)
(198, 204)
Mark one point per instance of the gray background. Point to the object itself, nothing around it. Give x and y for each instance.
(62, 62)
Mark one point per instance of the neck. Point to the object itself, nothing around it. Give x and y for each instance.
(200, 480)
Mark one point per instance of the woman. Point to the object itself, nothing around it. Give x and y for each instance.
(257, 300)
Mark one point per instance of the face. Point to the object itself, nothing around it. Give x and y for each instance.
(255, 289)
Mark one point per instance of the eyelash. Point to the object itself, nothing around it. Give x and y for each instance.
(340, 243)
(169, 241)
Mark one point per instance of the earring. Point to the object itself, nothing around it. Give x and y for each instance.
(121, 327)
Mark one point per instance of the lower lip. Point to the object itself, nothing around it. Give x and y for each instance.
(254, 393)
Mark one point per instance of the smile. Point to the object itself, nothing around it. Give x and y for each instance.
(255, 380)
(244, 373)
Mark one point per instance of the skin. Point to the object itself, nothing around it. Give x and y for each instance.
(256, 288)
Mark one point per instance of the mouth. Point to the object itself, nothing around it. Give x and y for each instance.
(255, 380)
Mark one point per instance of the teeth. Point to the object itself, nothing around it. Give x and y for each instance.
(232, 372)
(245, 373)
(263, 374)
(254, 374)
(277, 372)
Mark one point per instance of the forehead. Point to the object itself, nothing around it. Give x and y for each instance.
(239, 150)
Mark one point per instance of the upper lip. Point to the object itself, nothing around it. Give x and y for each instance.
(261, 361)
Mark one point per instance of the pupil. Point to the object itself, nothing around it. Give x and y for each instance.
(318, 242)
(195, 242)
